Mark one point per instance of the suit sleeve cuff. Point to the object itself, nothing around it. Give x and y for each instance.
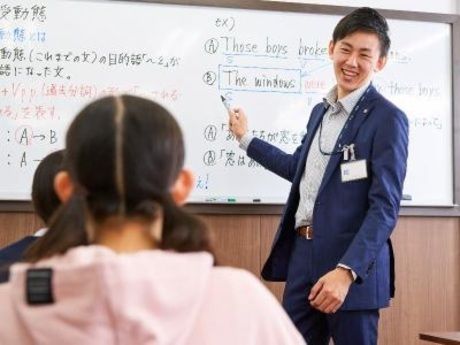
(349, 268)
(245, 141)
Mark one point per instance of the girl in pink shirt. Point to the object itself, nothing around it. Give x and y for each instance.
(122, 263)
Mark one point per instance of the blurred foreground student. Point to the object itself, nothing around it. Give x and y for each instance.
(148, 276)
(45, 202)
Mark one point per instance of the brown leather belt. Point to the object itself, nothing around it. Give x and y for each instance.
(305, 231)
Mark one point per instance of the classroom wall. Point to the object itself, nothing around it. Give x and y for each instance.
(441, 6)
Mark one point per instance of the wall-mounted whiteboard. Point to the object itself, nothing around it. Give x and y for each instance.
(58, 55)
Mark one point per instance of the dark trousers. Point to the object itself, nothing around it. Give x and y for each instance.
(344, 327)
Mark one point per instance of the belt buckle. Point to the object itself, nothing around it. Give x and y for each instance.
(309, 232)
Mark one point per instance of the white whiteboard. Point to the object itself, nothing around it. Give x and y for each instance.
(59, 55)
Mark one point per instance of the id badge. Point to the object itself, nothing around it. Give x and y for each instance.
(354, 170)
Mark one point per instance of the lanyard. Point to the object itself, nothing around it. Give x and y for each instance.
(319, 140)
(350, 118)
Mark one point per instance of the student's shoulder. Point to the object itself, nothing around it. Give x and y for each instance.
(242, 290)
(6, 298)
(233, 276)
(238, 292)
(235, 279)
(14, 251)
(239, 284)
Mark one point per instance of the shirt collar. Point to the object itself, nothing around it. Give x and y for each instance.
(348, 102)
(40, 232)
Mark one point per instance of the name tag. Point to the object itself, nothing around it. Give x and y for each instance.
(354, 170)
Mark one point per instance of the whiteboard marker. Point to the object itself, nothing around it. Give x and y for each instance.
(224, 102)
(227, 106)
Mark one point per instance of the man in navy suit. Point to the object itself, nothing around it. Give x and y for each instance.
(45, 202)
(332, 246)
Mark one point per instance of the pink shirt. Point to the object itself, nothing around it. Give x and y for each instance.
(149, 297)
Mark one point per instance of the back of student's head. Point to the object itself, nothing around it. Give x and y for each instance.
(364, 19)
(44, 198)
(123, 155)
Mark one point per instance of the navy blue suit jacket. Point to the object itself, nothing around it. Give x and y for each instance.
(352, 221)
(12, 254)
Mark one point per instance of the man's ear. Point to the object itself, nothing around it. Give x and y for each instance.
(183, 186)
(381, 62)
(331, 48)
(63, 186)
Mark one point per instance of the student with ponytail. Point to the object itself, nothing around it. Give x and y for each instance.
(45, 203)
(122, 262)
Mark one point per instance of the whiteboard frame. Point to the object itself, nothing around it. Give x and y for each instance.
(453, 20)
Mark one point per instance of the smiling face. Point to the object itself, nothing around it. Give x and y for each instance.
(356, 58)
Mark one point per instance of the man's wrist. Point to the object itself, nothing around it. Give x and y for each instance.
(245, 140)
(347, 269)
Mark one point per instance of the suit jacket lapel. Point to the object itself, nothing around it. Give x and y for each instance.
(360, 113)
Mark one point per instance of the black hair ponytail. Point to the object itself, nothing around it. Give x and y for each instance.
(67, 230)
(183, 232)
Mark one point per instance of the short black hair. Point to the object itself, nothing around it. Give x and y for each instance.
(44, 198)
(364, 19)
